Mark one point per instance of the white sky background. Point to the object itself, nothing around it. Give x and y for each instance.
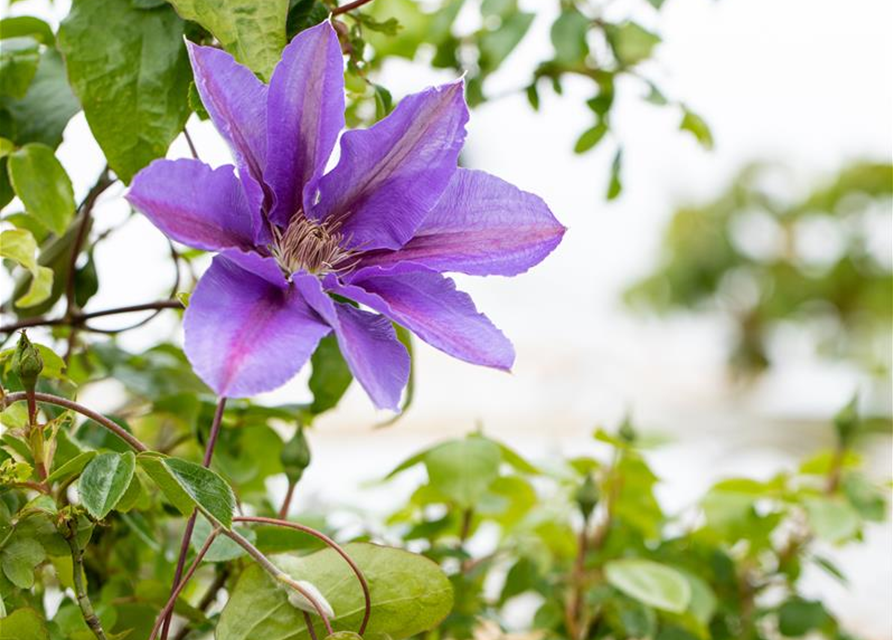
(805, 82)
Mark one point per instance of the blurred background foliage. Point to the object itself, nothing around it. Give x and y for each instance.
(765, 256)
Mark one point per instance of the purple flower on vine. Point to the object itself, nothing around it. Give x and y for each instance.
(378, 229)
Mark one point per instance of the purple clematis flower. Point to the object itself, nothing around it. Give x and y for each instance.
(378, 229)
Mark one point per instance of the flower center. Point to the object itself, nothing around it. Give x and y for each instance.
(310, 246)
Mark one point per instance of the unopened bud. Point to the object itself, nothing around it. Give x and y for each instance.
(626, 431)
(846, 422)
(587, 496)
(296, 456)
(27, 362)
(299, 601)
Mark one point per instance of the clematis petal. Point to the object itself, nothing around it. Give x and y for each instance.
(367, 341)
(261, 266)
(245, 335)
(391, 175)
(481, 226)
(429, 305)
(194, 204)
(305, 113)
(237, 103)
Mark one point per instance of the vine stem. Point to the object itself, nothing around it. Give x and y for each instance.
(101, 420)
(77, 561)
(361, 578)
(277, 574)
(79, 317)
(350, 6)
(172, 601)
(190, 524)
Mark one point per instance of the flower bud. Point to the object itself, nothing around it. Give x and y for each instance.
(27, 362)
(298, 601)
(587, 496)
(626, 431)
(296, 456)
(846, 422)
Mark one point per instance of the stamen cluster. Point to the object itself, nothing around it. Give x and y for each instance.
(308, 245)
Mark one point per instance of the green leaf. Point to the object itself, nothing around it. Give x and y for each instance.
(832, 518)
(41, 116)
(189, 485)
(651, 583)
(498, 44)
(19, 558)
(405, 337)
(797, 617)
(694, 124)
(462, 470)
(104, 482)
(23, 624)
(410, 594)
(19, 58)
(254, 32)
(569, 37)
(591, 137)
(330, 377)
(6, 147)
(42, 184)
(19, 26)
(131, 76)
(71, 468)
(615, 186)
(19, 246)
(631, 43)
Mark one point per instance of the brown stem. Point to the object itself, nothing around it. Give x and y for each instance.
(79, 318)
(99, 419)
(286, 503)
(361, 578)
(190, 524)
(311, 630)
(574, 611)
(168, 609)
(350, 6)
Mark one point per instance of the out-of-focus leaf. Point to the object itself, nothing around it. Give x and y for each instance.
(833, 519)
(569, 37)
(651, 583)
(253, 32)
(694, 124)
(19, 246)
(19, 58)
(631, 42)
(19, 558)
(591, 137)
(615, 186)
(498, 44)
(462, 470)
(19, 26)
(132, 77)
(798, 616)
(23, 624)
(330, 377)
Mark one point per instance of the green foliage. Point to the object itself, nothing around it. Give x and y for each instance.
(254, 32)
(131, 77)
(104, 481)
(42, 184)
(747, 255)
